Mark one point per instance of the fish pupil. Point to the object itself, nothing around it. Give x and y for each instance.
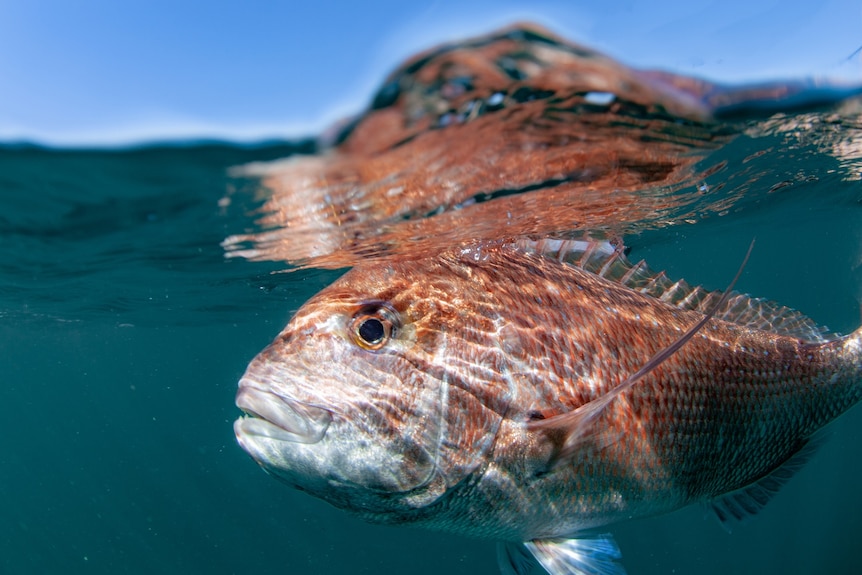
(372, 331)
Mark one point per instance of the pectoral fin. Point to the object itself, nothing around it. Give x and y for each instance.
(594, 555)
(568, 431)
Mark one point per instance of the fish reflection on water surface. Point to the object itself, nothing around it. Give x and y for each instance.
(521, 133)
(483, 387)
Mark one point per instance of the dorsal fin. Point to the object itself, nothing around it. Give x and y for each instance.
(609, 261)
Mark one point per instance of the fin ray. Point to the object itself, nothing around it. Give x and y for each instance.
(596, 555)
(514, 558)
(738, 506)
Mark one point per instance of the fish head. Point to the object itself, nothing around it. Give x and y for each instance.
(360, 400)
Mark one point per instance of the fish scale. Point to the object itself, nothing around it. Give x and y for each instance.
(504, 384)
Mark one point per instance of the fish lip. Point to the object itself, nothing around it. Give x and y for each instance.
(276, 417)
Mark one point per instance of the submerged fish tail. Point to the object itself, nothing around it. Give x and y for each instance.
(850, 350)
(842, 370)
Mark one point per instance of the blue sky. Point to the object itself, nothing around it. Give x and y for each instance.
(106, 72)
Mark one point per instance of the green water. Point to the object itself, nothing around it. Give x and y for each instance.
(123, 332)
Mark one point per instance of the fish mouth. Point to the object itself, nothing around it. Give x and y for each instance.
(276, 417)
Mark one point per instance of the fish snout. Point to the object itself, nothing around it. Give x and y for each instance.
(276, 417)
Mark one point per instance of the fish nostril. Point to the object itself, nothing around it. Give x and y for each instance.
(291, 335)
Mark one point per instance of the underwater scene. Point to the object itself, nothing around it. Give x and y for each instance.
(139, 284)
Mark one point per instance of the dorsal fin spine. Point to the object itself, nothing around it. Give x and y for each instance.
(588, 253)
(652, 282)
(634, 269)
(690, 297)
(607, 266)
(669, 293)
(609, 261)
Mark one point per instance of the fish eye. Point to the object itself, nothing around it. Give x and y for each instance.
(371, 331)
(373, 326)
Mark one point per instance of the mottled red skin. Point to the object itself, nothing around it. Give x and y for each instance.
(502, 338)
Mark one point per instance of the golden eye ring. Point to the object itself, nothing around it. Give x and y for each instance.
(373, 326)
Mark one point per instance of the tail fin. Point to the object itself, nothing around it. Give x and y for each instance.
(851, 349)
(847, 352)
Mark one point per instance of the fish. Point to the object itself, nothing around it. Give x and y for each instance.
(537, 391)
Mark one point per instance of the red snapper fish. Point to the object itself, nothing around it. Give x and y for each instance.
(536, 392)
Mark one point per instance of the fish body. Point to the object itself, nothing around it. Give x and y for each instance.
(479, 392)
